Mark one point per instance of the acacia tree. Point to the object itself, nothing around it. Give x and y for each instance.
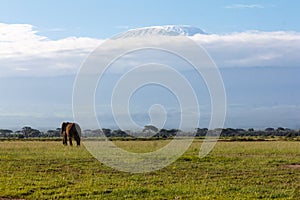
(30, 132)
(5, 132)
(150, 128)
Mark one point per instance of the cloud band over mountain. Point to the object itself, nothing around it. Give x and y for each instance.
(24, 52)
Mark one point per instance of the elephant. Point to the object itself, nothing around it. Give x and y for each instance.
(69, 131)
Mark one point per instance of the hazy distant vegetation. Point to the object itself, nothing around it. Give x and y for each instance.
(151, 132)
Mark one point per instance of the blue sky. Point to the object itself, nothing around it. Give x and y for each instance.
(102, 19)
(255, 44)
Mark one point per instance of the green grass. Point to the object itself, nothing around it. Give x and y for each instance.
(233, 170)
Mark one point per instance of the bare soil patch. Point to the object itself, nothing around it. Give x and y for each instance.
(294, 166)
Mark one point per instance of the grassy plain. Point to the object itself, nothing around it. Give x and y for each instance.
(233, 170)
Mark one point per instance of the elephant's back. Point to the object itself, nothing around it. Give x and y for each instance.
(69, 127)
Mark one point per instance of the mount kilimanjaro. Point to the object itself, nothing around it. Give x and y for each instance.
(168, 30)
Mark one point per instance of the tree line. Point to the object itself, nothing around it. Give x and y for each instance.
(28, 132)
(152, 131)
(268, 132)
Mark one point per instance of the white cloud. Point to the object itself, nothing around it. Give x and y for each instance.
(24, 52)
(253, 48)
(22, 69)
(244, 6)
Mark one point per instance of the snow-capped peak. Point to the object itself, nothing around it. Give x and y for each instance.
(170, 30)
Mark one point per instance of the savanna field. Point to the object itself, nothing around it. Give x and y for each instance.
(233, 170)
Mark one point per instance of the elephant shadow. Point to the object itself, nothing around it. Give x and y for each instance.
(69, 131)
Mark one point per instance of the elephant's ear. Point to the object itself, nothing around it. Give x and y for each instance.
(63, 126)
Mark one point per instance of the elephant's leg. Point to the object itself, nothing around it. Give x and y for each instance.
(70, 140)
(65, 139)
(77, 138)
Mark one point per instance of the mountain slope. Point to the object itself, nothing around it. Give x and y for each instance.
(169, 30)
